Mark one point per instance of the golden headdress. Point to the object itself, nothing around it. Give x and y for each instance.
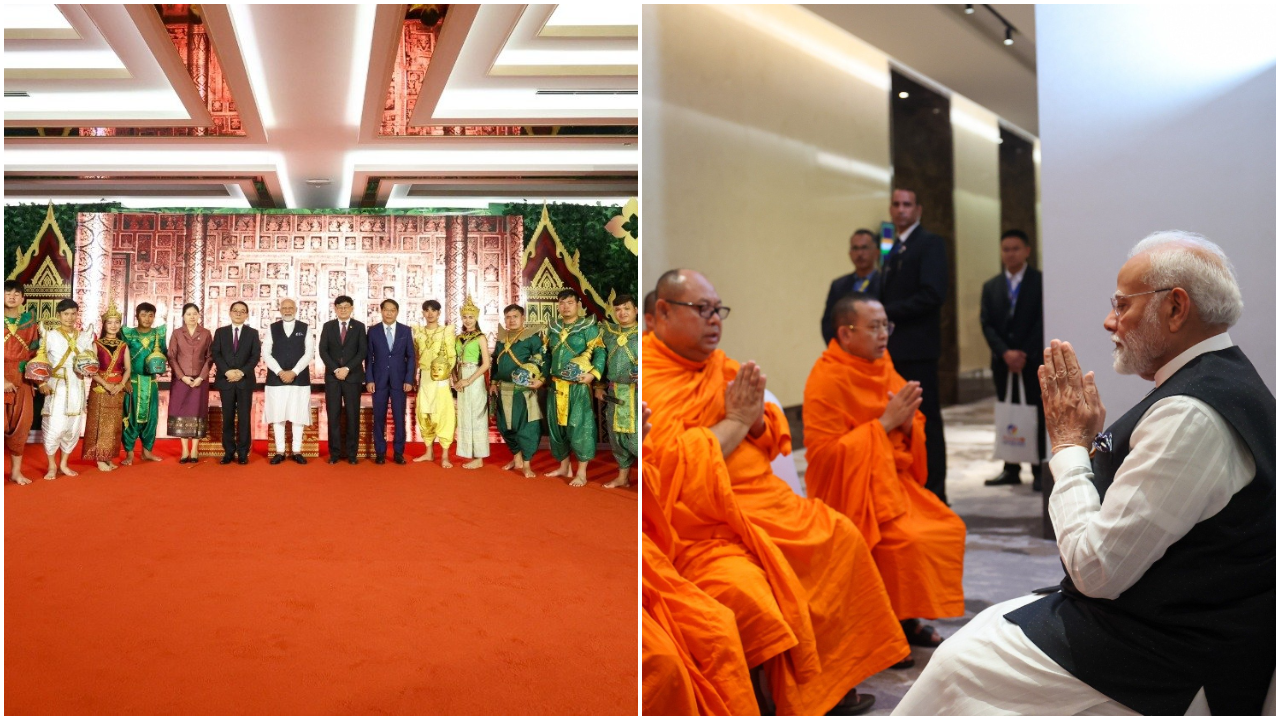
(469, 308)
(112, 312)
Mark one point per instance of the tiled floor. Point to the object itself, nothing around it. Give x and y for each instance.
(1004, 556)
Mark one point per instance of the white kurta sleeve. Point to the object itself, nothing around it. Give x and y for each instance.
(272, 365)
(1184, 464)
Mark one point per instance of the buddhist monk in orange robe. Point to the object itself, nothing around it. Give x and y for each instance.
(693, 661)
(689, 383)
(866, 458)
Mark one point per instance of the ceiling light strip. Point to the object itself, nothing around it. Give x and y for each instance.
(247, 38)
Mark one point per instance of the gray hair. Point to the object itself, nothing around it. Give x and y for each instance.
(1194, 263)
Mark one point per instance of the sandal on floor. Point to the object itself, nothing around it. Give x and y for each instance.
(853, 704)
(910, 662)
(919, 634)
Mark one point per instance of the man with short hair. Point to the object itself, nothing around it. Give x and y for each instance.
(517, 375)
(21, 340)
(435, 346)
(864, 253)
(64, 405)
(288, 350)
(236, 350)
(1166, 522)
(575, 359)
(691, 385)
(865, 447)
(343, 347)
(913, 289)
(1012, 318)
(142, 402)
(392, 364)
(622, 370)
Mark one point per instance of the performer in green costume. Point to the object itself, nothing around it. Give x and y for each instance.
(516, 377)
(622, 369)
(142, 402)
(575, 358)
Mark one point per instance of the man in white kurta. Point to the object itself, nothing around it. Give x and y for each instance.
(288, 347)
(1185, 463)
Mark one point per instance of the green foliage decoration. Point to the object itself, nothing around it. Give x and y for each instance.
(604, 259)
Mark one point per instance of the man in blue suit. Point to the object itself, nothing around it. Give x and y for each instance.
(391, 367)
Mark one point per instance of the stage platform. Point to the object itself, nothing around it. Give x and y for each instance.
(319, 589)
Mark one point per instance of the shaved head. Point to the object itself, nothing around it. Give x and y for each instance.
(845, 311)
(650, 301)
(679, 325)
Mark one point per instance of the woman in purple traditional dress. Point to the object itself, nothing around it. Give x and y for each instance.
(190, 359)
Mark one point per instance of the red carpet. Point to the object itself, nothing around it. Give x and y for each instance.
(319, 589)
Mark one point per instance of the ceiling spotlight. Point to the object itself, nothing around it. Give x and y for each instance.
(319, 182)
(968, 9)
(904, 94)
(1008, 36)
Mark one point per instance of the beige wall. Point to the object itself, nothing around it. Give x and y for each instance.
(765, 143)
(975, 131)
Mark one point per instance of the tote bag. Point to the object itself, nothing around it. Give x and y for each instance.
(1016, 426)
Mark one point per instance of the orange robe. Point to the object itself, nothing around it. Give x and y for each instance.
(854, 631)
(877, 480)
(693, 662)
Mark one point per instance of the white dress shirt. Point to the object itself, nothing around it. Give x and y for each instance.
(287, 403)
(902, 236)
(1185, 462)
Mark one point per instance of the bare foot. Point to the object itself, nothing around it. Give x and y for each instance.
(529, 473)
(511, 466)
(444, 463)
(148, 455)
(477, 463)
(68, 471)
(563, 471)
(128, 459)
(20, 478)
(423, 458)
(617, 483)
(105, 467)
(53, 473)
(578, 481)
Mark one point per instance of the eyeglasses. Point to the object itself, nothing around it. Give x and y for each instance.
(885, 327)
(706, 310)
(1115, 299)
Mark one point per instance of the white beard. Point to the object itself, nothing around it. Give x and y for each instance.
(1142, 346)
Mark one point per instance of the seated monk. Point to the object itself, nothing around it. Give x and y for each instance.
(693, 662)
(690, 384)
(865, 447)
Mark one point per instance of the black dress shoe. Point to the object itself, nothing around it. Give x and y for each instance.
(399, 459)
(243, 461)
(297, 457)
(352, 461)
(380, 459)
(1004, 478)
(226, 459)
(276, 459)
(334, 459)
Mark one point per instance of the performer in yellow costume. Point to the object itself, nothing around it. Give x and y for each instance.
(434, 345)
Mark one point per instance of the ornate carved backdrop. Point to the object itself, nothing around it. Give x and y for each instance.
(215, 260)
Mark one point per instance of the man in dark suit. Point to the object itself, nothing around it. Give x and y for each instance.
(392, 366)
(913, 287)
(343, 347)
(236, 350)
(1013, 322)
(865, 278)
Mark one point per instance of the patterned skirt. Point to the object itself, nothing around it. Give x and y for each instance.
(104, 424)
(473, 416)
(188, 410)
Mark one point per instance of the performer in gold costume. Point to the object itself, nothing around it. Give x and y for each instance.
(67, 351)
(434, 345)
(104, 420)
